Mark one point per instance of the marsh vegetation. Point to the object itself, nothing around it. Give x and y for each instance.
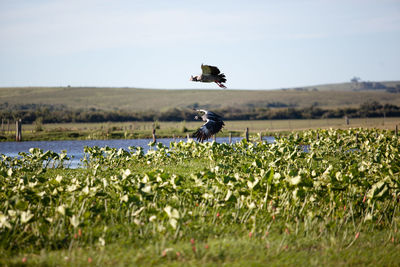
(314, 197)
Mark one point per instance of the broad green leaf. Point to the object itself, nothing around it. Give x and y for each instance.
(295, 180)
(74, 220)
(228, 195)
(124, 198)
(173, 222)
(147, 189)
(26, 216)
(4, 221)
(61, 209)
(59, 178)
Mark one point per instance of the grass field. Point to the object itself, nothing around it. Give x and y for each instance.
(245, 204)
(133, 99)
(132, 130)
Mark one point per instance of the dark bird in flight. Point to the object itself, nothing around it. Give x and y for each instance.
(212, 126)
(210, 74)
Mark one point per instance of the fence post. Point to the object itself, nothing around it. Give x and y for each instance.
(384, 117)
(397, 130)
(246, 134)
(230, 138)
(18, 130)
(346, 120)
(188, 136)
(154, 135)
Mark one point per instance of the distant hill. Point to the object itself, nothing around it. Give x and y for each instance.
(135, 99)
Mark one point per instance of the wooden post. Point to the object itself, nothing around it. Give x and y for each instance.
(384, 117)
(154, 135)
(246, 134)
(230, 138)
(396, 130)
(346, 120)
(18, 130)
(188, 136)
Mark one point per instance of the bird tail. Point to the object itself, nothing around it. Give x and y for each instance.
(221, 78)
(200, 136)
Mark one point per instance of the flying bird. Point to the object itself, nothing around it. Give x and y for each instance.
(212, 126)
(210, 74)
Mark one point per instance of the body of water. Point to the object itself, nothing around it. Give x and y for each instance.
(75, 147)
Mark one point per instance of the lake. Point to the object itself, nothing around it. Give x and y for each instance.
(75, 147)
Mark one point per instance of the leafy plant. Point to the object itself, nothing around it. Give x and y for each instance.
(315, 183)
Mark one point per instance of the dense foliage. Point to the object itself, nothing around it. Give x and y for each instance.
(272, 111)
(325, 183)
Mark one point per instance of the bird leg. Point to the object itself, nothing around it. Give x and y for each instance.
(220, 85)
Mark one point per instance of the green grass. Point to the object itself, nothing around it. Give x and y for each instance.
(370, 249)
(134, 99)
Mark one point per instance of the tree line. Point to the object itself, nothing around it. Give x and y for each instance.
(61, 114)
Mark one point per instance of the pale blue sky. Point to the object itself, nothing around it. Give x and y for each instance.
(159, 44)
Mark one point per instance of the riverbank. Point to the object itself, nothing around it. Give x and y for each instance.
(140, 130)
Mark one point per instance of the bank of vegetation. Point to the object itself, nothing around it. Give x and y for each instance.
(31, 113)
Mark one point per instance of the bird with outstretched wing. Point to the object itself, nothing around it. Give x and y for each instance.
(210, 74)
(213, 124)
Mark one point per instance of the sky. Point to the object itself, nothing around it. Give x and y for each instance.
(159, 44)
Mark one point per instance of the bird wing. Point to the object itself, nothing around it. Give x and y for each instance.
(213, 116)
(208, 129)
(209, 70)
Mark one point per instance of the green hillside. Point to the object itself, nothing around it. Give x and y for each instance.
(135, 99)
